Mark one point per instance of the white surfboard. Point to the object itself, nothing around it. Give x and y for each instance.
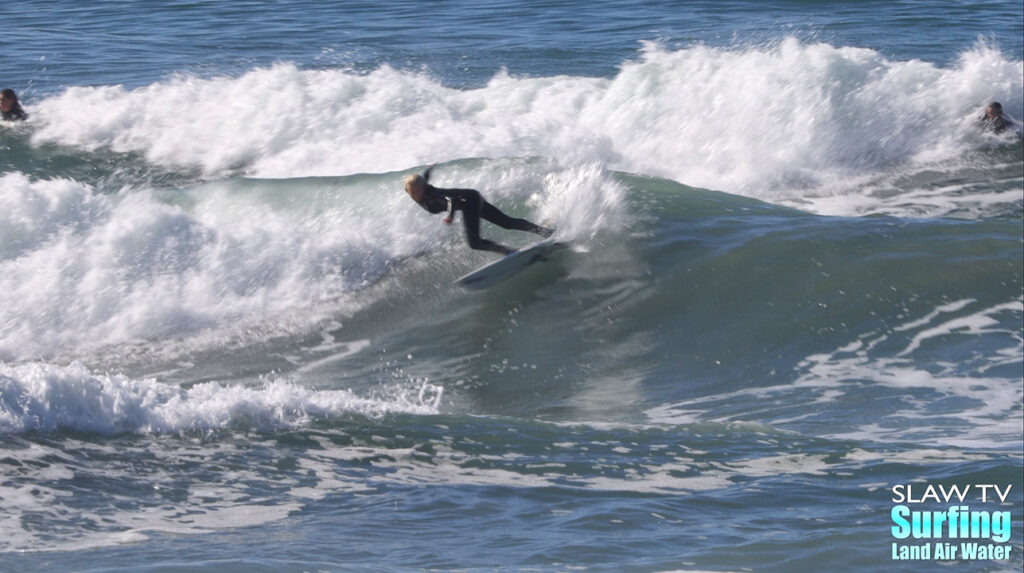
(493, 273)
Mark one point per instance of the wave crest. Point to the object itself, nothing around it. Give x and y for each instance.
(765, 121)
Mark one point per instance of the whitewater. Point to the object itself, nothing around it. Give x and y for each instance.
(229, 340)
(779, 122)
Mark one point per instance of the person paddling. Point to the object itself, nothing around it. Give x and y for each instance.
(10, 107)
(473, 207)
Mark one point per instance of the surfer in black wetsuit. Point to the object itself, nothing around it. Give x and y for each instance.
(994, 119)
(9, 106)
(473, 207)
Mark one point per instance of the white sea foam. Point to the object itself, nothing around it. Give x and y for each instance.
(231, 493)
(118, 269)
(48, 496)
(778, 122)
(914, 399)
(45, 398)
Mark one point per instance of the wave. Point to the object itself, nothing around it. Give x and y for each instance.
(48, 398)
(777, 122)
(238, 262)
(83, 270)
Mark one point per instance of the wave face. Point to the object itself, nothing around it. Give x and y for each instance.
(303, 279)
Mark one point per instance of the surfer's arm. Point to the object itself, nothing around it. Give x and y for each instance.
(448, 218)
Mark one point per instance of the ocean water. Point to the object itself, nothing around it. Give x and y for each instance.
(793, 303)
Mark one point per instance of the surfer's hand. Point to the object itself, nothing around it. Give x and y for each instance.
(447, 220)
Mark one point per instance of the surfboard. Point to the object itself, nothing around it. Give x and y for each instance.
(503, 268)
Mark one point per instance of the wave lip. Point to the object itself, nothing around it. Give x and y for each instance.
(48, 398)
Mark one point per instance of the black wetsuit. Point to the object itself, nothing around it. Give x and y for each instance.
(997, 124)
(16, 113)
(474, 207)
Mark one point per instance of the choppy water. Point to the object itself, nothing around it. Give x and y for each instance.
(229, 341)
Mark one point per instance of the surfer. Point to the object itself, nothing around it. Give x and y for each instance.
(994, 119)
(473, 207)
(10, 107)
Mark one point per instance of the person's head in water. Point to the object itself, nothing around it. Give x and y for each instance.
(994, 119)
(415, 186)
(8, 99)
(9, 104)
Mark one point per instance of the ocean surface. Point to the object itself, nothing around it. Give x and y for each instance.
(229, 342)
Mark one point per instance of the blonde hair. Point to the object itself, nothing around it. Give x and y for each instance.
(414, 179)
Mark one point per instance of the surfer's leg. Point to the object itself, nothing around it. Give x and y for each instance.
(471, 208)
(493, 214)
